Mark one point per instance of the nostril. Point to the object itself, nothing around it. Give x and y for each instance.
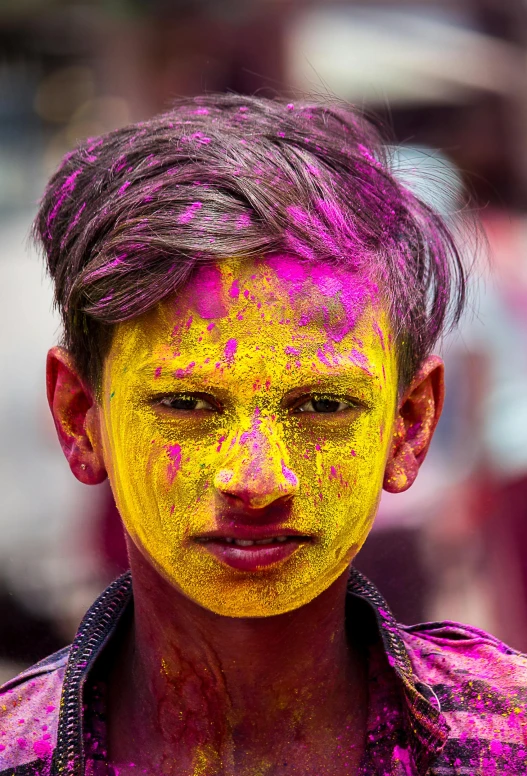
(256, 482)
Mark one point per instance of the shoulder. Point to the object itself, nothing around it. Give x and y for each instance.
(481, 686)
(448, 653)
(29, 711)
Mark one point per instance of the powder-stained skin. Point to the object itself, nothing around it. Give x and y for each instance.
(264, 393)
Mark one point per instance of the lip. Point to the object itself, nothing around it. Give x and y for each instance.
(255, 556)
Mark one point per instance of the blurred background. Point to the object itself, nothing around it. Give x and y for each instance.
(449, 80)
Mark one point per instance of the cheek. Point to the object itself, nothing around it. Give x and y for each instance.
(342, 478)
(141, 466)
(168, 482)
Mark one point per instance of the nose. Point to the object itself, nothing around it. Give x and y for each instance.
(255, 474)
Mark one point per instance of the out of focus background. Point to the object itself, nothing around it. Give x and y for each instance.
(449, 80)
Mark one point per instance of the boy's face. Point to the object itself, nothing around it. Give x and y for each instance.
(256, 406)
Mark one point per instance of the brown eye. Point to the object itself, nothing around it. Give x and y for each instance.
(186, 403)
(321, 405)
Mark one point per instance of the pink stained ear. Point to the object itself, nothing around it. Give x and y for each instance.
(415, 423)
(76, 418)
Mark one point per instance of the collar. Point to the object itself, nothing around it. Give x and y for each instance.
(426, 728)
(425, 725)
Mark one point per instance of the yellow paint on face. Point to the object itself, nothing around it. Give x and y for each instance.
(250, 345)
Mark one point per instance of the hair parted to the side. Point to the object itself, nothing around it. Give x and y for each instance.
(129, 215)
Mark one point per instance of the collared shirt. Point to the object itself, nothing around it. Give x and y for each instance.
(444, 699)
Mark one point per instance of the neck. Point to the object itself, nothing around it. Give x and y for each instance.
(210, 687)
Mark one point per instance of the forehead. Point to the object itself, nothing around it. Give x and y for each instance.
(276, 315)
(301, 298)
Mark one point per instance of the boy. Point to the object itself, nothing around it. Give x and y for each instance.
(250, 301)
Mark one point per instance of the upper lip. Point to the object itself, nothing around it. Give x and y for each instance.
(250, 533)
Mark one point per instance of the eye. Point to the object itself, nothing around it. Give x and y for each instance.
(184, 402)
(324, 405)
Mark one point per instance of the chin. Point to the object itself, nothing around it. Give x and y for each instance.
(264, 596)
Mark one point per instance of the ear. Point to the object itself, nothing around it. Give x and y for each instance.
(76, 416)
(417, 416)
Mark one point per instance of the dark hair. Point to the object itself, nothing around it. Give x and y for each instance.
(129, 215)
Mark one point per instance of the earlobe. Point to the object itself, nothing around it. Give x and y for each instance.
(76, 417)
(401, 470)
(415, 423)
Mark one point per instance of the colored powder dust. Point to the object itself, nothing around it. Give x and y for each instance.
(230, 350)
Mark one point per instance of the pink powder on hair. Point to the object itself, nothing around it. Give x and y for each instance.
(124, 187)
(199, 137)
(66, 189)
(243, 221)
(234, 290)
(121, 164)
(72, 224)
(190, 212)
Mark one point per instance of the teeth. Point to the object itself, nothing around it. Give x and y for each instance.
(250, 542)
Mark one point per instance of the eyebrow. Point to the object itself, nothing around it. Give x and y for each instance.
(355, 358)
(194, 376)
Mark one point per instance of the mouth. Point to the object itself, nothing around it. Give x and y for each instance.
(253, 554)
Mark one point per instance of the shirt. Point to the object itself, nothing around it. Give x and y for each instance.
(444, 699)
